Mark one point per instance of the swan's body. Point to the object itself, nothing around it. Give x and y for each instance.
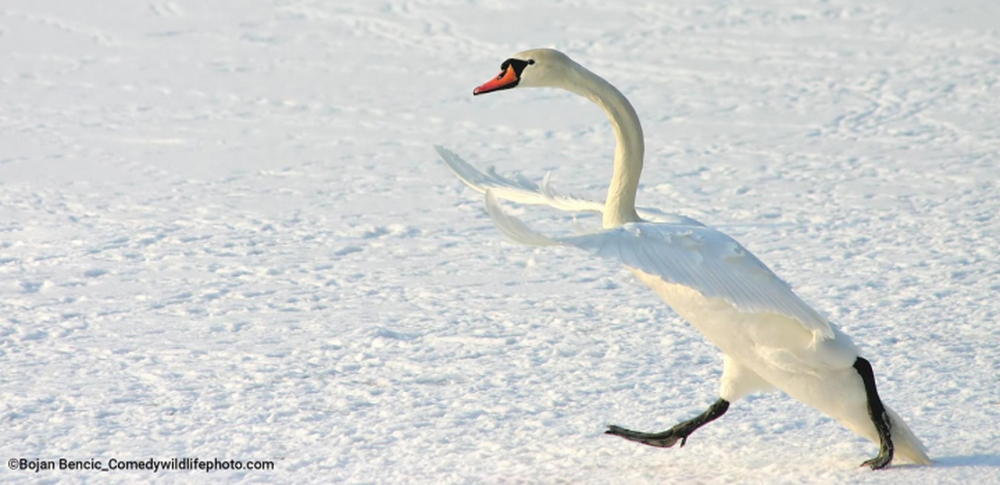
(769, 337)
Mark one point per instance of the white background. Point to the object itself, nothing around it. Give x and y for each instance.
(224, 234)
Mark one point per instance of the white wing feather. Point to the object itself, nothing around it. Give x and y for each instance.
(524, 191)
(697, 257)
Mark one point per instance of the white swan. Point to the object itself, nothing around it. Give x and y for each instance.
(769, 337)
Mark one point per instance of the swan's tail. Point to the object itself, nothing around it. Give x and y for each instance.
(907, 445)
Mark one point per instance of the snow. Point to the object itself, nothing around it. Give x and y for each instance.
(224, 233)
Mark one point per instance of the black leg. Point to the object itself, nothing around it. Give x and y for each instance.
(877, 412)
(669, 438)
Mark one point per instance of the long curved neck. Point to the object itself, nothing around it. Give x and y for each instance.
(619, 207)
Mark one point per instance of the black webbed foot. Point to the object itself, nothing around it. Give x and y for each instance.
(879, 462)
(680, 432)
(665, 439)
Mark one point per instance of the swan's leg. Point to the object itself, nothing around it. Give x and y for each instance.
(680, 432)
(879, 417)
(737, 381)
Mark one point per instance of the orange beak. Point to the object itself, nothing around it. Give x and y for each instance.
(506, 80)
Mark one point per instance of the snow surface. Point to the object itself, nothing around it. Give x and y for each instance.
(224, 234)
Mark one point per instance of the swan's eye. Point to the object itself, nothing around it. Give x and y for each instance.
(531, 61)
(517, 65)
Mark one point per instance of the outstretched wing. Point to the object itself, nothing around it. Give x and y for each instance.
(697, 257)
(524, 191)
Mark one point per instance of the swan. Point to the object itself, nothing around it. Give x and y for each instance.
(770, 339)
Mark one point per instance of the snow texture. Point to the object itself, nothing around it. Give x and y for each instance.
(224, 233)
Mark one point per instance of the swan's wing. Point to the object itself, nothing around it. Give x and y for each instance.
(697, 257)
(524, 191)
(656, 215)
(705, 260)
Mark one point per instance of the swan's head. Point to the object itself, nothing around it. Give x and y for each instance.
(535, 68)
